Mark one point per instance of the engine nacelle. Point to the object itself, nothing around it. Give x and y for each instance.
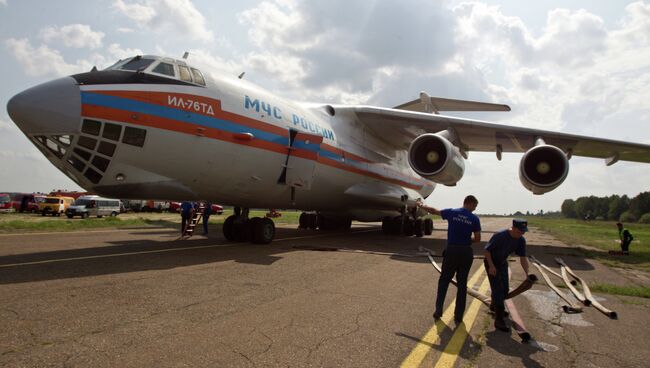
(435, 158)
(543, 168)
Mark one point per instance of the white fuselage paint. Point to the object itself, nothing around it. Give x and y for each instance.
(181, 160)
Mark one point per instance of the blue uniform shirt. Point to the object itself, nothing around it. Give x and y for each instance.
(461, 224)
(186, 208)
(502, 244)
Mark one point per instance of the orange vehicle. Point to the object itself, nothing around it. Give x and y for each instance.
(55, 205)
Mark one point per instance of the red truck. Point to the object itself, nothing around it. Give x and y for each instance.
(5, 203)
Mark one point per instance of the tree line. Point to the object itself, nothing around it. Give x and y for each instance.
(614, 208)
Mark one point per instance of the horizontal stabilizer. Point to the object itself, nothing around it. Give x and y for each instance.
(430, 104)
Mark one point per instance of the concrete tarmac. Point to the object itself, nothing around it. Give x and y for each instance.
(142, 298)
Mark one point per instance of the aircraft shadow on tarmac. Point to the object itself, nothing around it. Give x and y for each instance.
(141, 255)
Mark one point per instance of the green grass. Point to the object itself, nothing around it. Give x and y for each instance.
(22, 222)
(638, 291)
(602, 235)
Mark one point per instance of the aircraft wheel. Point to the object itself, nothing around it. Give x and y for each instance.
(263, 230)
(418, 228)
(428, 226)
(409, 227)
(312, 221)
(346, 224)
(386, 225)
(228, 228)
(302, 221)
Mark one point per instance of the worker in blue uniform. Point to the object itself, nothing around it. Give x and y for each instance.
(458, 255)
(497, 250)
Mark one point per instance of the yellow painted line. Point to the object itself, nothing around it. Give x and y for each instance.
(450, 354)
(414, 359)
(168, 250)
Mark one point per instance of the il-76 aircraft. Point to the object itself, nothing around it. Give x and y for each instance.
(156, 127)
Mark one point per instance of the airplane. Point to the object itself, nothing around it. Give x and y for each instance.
(157, 127)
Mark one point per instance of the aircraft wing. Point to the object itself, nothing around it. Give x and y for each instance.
(399, 127)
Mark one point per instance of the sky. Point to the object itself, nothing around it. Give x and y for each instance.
(580, 67)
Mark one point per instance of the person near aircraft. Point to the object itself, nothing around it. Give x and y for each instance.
(497, 250)
(626, 238)
(187, 210)
(206, 216)
(458, 255)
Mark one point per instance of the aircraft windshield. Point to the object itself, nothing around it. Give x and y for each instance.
(137, 63)
(168, 67)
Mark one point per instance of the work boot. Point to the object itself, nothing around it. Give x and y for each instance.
(437, 315)
(499, 320)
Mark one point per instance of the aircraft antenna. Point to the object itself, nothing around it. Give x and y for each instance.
(241, 75)
(185, 55)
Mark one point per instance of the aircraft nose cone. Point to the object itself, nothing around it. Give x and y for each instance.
(49, 108)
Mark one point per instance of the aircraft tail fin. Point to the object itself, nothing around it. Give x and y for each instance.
(433, 105)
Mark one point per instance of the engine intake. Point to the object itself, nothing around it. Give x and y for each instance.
(435, 158)
(543, 168)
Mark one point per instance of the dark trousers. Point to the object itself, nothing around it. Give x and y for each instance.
(456, 260)
(185, 220)
(206, 218)
(625, 245)
(499, 285)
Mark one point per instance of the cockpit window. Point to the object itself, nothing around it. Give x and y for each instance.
(164, 68)
(185, 73)
(137, 63)
(198, 77)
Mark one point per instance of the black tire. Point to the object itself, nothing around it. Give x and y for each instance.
(428, 226)
(84, 215)
(346, 224)
(312, 221)
(418, 228)
(43, 213)
(228, 228)
(263, 231)
(70, 216)
(396, 225)
(113, 214)
(302, 221)
(100, 216)
(386, 225)
(409, 227)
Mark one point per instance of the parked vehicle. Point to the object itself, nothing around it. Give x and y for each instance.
(35, 199)
(5, 203)
(216, 209)
(55, 205)
(93, 205)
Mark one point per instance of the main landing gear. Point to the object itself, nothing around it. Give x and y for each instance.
(406, 226)
(240, 228)
(317, 221)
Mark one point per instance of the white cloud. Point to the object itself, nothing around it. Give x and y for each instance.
(42, 60)
(3, 2)
(74, 35)
(178, 18)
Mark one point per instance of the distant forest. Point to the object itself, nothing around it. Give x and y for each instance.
(613, 208)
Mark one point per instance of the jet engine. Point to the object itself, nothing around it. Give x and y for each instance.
(543, 168)
(434, 157)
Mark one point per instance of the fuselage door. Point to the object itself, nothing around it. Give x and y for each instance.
(302, 153)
